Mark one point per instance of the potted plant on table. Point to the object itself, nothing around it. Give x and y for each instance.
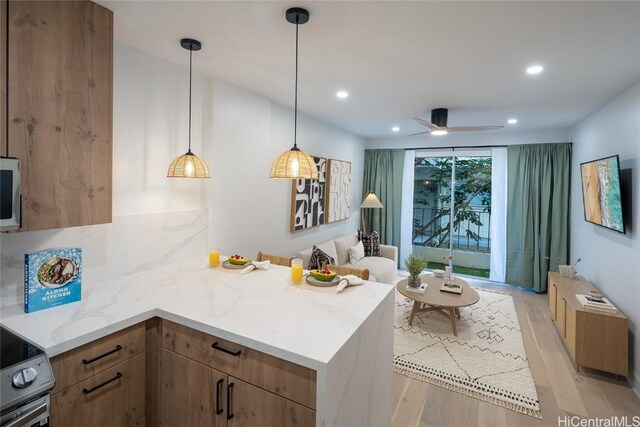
(414, 265)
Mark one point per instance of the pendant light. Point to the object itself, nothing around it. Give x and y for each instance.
(189, 165)
(295, 164)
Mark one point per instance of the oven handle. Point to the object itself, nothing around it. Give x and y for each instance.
(29, 416)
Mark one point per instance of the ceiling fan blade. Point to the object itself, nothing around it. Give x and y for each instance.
(472, 128)
(420, 133)
(426, 123)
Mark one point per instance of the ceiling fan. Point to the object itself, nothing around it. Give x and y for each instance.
(438, 124)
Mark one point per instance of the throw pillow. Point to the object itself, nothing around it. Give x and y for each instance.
(356, 253)
(371, 243)
(319, 258)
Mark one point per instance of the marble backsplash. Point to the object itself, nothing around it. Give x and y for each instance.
(130, 244)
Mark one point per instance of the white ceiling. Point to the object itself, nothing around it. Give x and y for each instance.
(400, 59)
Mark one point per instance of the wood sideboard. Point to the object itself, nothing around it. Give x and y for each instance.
(594, 339)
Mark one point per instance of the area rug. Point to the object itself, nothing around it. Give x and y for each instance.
(486, 360)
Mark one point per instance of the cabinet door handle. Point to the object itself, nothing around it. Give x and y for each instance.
(224, 350)
(118, 348)
(229, 399)
(92, 389)
(218, 391)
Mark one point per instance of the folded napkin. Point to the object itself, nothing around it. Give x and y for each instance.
(348, 280)
(262, 265)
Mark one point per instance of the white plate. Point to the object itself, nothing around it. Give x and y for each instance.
(438, 273)
(315, 282)
(230, 266)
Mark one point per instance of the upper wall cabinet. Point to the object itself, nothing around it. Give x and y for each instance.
(59, 116)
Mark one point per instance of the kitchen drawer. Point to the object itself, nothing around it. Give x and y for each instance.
(251, 406)
(75, 365)
(284, 378)
(111, 398)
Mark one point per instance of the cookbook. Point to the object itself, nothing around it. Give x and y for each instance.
(51, 278)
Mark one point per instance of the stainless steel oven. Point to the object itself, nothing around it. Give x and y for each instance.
(26, 379)
(32, 414)
(10, 201)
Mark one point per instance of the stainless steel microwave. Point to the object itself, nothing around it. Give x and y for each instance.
(10, 200)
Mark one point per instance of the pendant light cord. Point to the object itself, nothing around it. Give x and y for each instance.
(190, 73)
(295, 119)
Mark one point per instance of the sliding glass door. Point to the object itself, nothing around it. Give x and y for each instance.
(452, 210)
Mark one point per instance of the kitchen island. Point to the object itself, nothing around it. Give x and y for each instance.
(346, 338)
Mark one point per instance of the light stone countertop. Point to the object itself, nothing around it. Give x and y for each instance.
(262, 310)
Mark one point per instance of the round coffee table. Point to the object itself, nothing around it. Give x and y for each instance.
(433, 299)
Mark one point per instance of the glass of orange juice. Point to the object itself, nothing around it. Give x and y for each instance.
(214, 257)
(296, 270)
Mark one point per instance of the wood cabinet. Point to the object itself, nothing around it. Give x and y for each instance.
(191, 393)
(278, 376)
(80, 363)
(552, 295)
(251, 387)
(594, 339)
(101, 383)
(561, 306)
(59, 115)
(159, 373)
(114, 397)
(252, 406)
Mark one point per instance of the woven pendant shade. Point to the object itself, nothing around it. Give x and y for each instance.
(294, 164)
(188, 166)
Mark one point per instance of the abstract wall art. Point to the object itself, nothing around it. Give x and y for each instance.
(308, 199)
(338, 190)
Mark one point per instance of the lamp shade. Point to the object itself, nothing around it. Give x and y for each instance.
(371, 201)
(294, 164)
(188, 166)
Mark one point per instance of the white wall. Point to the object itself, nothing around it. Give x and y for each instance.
(248, 211)
(609, 259)
(150, 129)
(497, 137)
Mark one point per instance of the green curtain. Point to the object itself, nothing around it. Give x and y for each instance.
(537, 212)
(383, 171)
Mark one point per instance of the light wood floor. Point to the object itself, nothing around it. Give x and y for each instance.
(562, 391)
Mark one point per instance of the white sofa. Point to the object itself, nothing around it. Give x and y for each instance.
(383, 269)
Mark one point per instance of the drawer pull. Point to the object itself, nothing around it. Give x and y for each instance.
(229, 399)
(218, 391)
(224, 350)
(118, 348)
(92, 389)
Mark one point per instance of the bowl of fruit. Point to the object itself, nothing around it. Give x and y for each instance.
(322, 275)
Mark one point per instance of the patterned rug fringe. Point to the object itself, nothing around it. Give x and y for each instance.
(463, 390)
(493, 291)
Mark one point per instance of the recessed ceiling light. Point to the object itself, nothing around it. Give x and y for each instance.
(395, 128)
(535, 69)
(439, 132)
(342, 94)
(512, 121)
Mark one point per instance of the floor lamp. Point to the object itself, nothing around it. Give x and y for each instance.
(370, 201)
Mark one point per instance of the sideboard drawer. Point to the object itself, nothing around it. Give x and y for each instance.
(75, 365)
(114, 397)
(278, 376)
